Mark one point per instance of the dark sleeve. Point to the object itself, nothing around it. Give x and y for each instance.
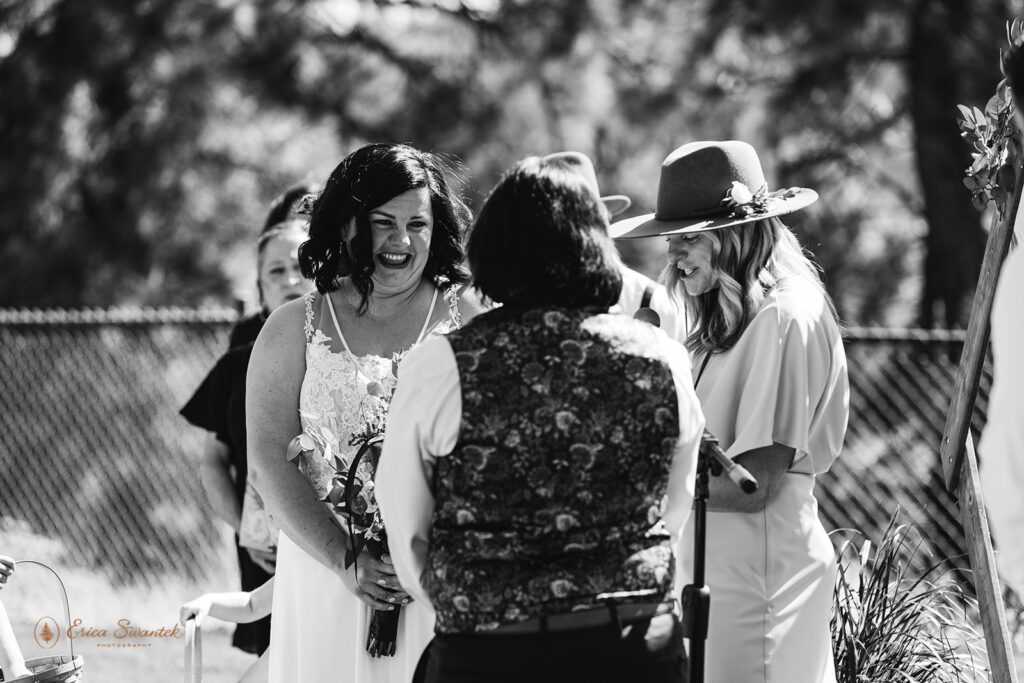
(208, 407)
(245, 331)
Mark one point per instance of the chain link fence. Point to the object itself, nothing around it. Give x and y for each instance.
(901, 386)
(98, 471)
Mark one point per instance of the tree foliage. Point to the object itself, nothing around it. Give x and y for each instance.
(862, 102)
(146, 138)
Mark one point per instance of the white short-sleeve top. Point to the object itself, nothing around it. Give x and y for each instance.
(783, 382)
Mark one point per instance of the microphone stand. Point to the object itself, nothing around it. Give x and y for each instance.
(696, 597)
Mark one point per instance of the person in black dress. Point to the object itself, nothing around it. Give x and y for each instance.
(218, 406)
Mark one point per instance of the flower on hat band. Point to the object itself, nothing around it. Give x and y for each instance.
(745, 203)
(739, 194)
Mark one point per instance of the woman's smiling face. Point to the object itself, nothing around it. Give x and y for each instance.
(279, 273)
(690, 254)
(400, 232)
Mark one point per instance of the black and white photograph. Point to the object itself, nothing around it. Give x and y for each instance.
(504, 341)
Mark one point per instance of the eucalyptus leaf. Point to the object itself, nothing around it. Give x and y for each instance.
(995, 106)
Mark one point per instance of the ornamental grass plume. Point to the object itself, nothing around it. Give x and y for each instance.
(892, 623)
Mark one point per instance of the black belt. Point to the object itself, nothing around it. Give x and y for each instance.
(619, 615)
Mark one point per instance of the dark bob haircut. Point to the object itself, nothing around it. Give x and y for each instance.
(365, 179)
(285, 206)
(541, 239)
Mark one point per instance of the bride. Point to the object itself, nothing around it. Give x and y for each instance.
(385, 251)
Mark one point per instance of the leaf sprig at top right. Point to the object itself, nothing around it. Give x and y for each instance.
(995, 140)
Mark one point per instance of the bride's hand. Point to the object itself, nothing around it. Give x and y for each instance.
(376, 583)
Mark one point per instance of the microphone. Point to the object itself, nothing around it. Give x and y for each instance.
(739, 475)
(648, 315)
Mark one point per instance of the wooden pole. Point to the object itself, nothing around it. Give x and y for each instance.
(958, 420)
(983, 564)
(959, 461)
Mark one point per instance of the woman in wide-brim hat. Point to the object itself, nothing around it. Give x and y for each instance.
(771, 377)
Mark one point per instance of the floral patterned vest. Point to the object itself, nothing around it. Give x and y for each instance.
(569, 422)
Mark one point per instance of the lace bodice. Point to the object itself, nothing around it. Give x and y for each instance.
(336, 398)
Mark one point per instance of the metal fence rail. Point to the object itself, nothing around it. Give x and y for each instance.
(98, 470)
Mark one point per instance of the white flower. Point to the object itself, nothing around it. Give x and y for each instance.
(306, 442)
(740, 193)
(560, 588)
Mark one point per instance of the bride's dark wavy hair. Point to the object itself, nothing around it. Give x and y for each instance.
(364, 180)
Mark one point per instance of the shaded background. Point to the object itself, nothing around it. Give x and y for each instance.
(141, 141)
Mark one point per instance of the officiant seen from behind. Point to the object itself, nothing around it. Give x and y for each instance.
(529, 455)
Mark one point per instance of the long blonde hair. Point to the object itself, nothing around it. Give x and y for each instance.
(750, 260)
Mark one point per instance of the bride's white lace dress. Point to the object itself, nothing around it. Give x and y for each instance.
(318, 630)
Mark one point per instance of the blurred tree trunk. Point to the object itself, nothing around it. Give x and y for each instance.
(955, 240)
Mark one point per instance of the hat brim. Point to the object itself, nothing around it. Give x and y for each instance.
(616, 203)
(648, 225)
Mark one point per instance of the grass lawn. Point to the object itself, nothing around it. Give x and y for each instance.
(164, 661)
(152, 659)
(100, 607)
(159, 661)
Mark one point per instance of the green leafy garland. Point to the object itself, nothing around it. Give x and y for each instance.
(995, 140)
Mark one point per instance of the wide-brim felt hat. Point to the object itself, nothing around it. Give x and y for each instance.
(580, 164)
(708, 186)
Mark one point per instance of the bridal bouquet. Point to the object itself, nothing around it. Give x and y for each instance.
(346, 486)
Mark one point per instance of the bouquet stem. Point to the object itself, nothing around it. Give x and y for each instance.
(382, 635)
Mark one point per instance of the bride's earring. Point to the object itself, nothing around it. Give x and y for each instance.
(344, 260)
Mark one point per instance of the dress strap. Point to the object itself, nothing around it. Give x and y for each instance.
(454, 314)
(703, 366)
(337, 327)
(430, 314)
(308, 324)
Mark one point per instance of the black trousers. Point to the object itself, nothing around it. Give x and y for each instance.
(640, 653)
